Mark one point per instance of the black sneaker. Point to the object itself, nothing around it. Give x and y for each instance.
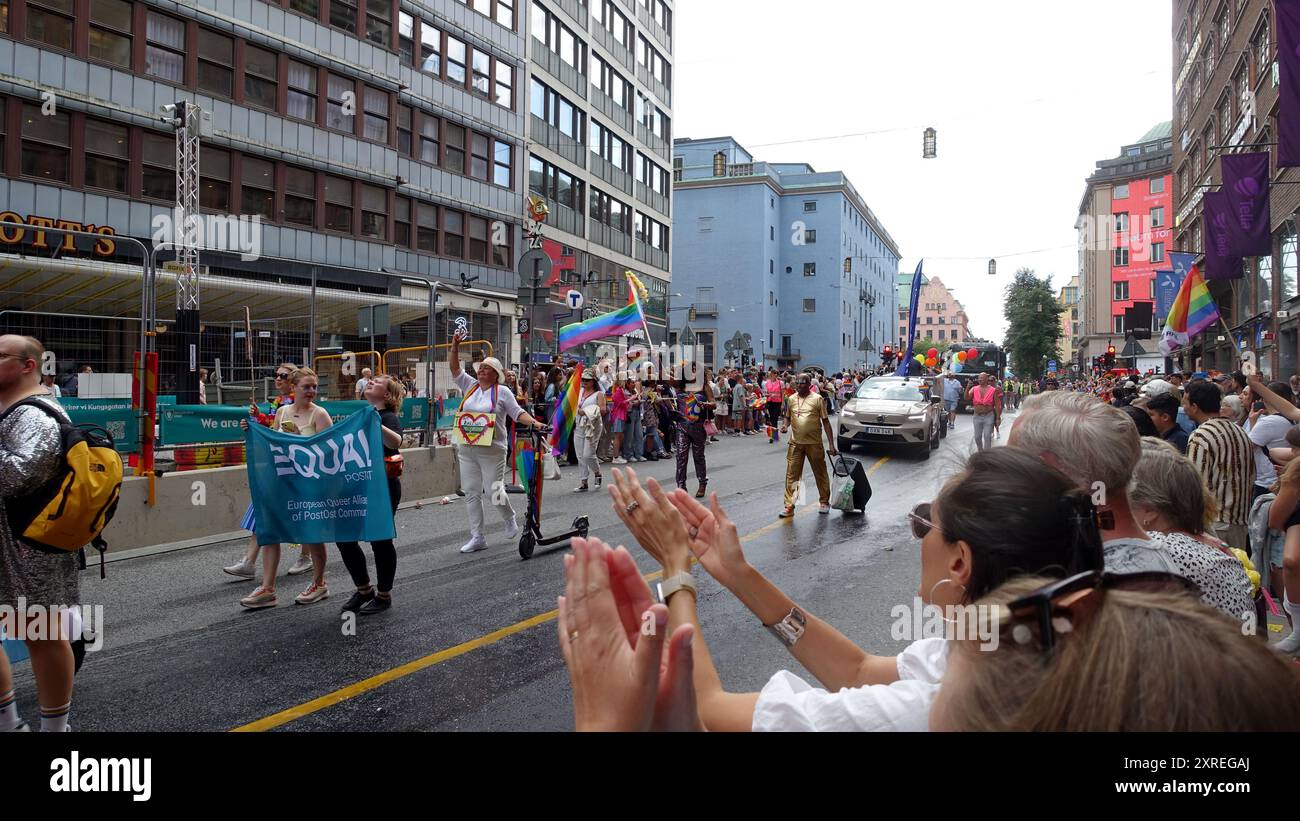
(356, 601)
(376, 605)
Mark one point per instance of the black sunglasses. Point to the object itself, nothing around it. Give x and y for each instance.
(1079, 595)
(282, 375)
(921, 522)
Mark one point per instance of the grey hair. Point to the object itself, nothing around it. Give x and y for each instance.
(1167, 481)
(1092, 441)
(1236, 409)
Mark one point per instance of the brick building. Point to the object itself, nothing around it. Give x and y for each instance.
(939, 314)
(1226, 99)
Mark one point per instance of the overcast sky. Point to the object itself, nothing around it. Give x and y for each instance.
(1026, 97)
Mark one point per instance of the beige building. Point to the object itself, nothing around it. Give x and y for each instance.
(1070, 320)
(939, 315)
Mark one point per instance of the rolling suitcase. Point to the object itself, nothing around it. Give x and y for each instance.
(848, 467)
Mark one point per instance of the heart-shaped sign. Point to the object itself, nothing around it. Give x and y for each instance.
(472, 426)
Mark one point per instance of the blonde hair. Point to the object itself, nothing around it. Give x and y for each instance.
(1167, 481)
(300, 373)
(1141, 662)
(393, 392)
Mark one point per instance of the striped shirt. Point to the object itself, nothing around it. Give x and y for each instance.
(1222, 453)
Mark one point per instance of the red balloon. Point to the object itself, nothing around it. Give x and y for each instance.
(933, 353)
(972, 353)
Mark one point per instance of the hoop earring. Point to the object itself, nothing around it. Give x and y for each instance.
(964, 591)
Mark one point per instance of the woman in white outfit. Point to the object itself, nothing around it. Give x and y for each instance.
(588, 428)
(482, 466)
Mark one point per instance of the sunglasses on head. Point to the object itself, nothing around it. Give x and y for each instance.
(921, 522)
(1060, 605)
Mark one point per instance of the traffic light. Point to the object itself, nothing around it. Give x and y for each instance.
(900, 354)
(888, 352)
(1110, 357)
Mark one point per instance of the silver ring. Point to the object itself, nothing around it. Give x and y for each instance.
(695, 531)
(632, 505)
(573, 636)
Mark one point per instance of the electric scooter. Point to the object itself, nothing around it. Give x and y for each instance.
(532, 536)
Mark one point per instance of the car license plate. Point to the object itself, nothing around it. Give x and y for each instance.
(878, 431)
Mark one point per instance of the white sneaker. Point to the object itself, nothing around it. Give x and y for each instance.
(474, 545)
(301, 566)
(620, 461)
(512, 528)
(243, 568)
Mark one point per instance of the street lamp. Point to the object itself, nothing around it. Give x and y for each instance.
(993, 267)
(929, 145)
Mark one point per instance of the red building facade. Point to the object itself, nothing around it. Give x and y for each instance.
(1142, 211)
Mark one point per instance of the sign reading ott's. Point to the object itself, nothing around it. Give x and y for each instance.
(19, 230)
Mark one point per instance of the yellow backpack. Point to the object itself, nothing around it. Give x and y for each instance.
(72, 510)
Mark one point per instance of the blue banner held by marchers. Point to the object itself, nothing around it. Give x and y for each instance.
(904, 367)
(330, 487)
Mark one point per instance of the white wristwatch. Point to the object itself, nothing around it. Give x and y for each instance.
(672, 584)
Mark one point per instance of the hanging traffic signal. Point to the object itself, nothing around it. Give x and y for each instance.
(888, 352)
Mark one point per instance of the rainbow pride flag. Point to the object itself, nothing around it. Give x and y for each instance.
(525, 463)
(1192, 312)
(615, 323)
(566, 413)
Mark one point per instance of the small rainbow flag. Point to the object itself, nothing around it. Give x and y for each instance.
(566, 413)
(615, 323)
(525, 462)
(1192, 312)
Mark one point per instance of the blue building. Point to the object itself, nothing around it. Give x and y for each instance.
(790, 257)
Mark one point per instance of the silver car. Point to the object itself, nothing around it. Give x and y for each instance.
(892, 409)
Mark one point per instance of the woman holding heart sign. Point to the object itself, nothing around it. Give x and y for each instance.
(480, 434)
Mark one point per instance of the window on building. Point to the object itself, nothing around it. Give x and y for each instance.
(1157, 252)
(1120, 192)
(430, 49)
(402, 222)
(929, 320)
(1157, 217)
(50, 22)
(505, 84)
(300, 196)
(454, 157)
(480, 161)
(405, 130)
(810, 205)
(810, 236)
(257, 187)
(810, 269)
(376, 115)
(429, 145)
(943, 320)
(338, 204)
(453, 233)
(1287, 243)
(107, 155)
(340, 110)
(110, 31)
(343, 15)
(482, 84)
(943, 334)
(1121, 257)
(406, 39)
(809, 306)
(478, 239)
(1119, 323)
(374, 212)
(260, 83)
(158, 177)
(311, 8)
(426, 238)
(501, 163)
(46, 145)
(505, 14)
(302, 91)
(216, 58)
(379, 22)
(214, 182)
(164, 54)
(457, 59)
(1121, 223)
(1121, 291)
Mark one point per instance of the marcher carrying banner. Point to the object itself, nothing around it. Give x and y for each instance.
(320, 488)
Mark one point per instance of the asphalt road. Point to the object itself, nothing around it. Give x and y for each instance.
(470, 643)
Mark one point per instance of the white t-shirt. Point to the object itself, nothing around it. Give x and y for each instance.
(480, 401)
(1270, 432)
(789, 704)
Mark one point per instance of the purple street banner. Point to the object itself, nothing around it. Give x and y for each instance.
(1219, 262)
(1246, 190)
(1288, 58)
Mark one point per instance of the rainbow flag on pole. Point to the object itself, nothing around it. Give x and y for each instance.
(566, 413)
(615, 323)
(1192, 312)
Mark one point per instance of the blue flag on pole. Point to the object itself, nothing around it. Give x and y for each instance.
(330, 487)
(905, 366)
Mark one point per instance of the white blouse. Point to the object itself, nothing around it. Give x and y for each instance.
(480, 401)
(789, 704)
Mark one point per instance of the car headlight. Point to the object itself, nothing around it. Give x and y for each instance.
(847, 412)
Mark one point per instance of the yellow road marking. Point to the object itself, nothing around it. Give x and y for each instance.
(376, 681)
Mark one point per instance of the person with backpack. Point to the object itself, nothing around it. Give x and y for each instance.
(32, 458)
